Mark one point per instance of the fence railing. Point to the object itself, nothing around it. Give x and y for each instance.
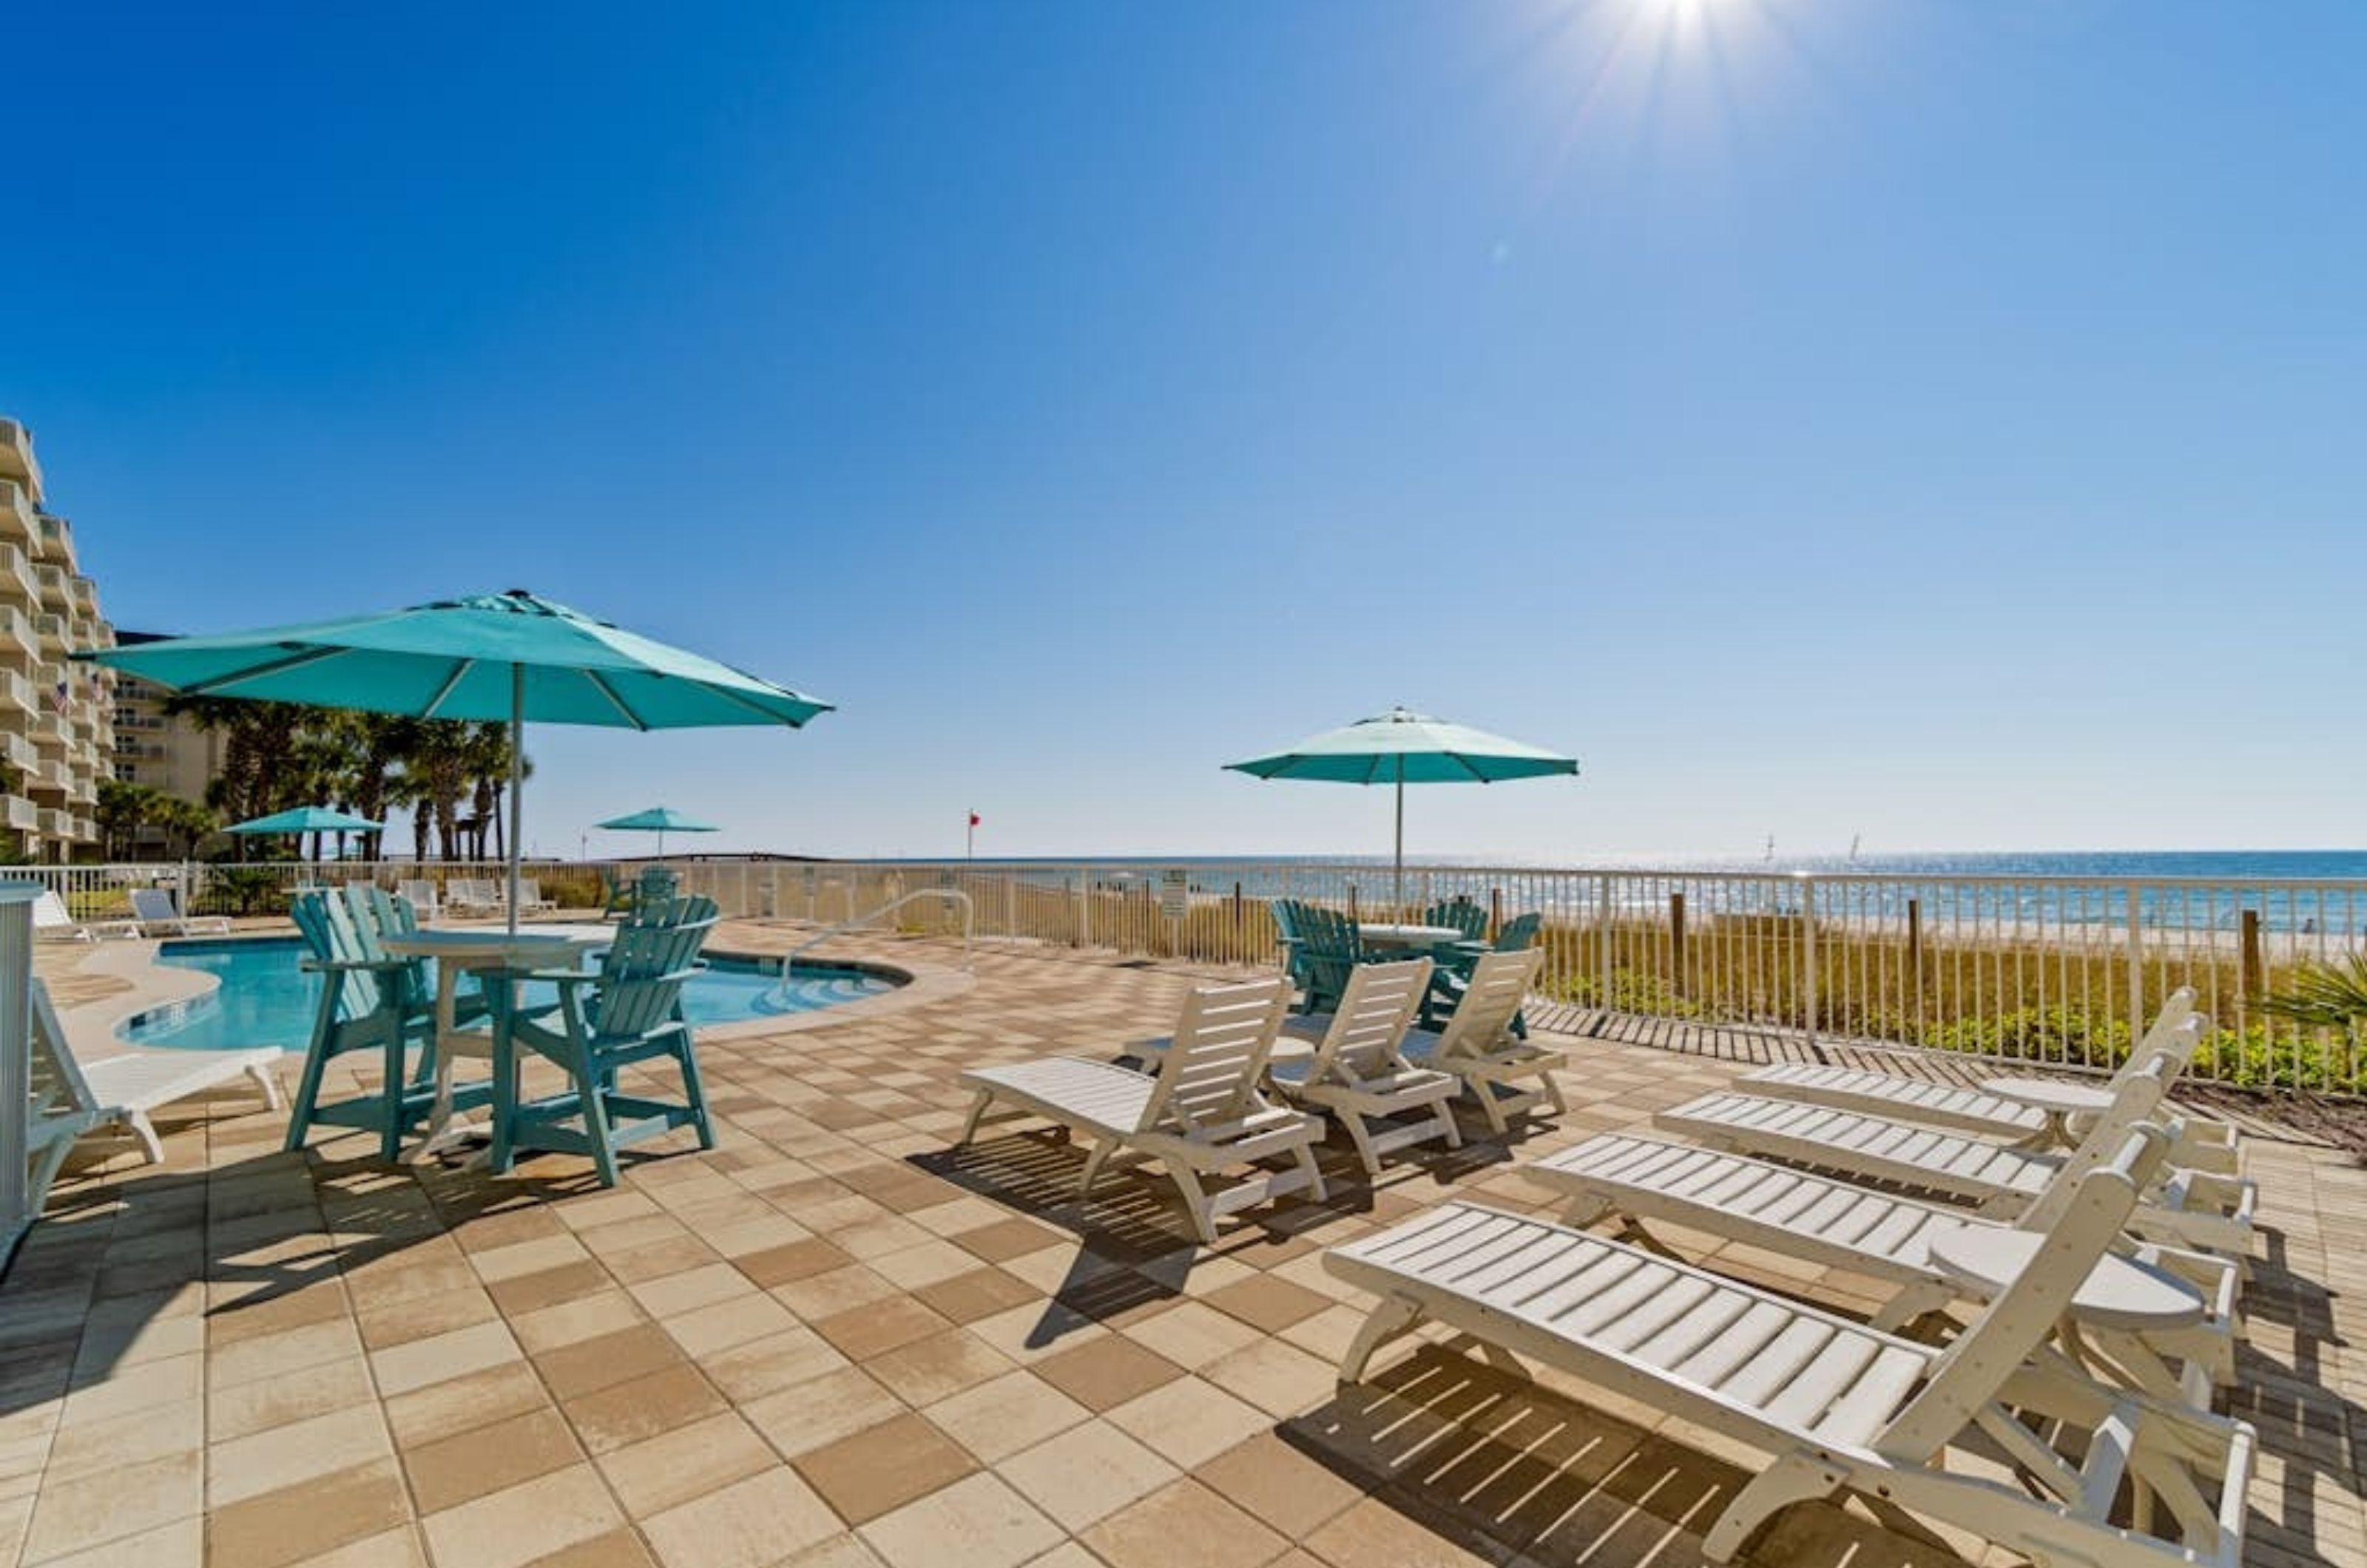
(2058, 970)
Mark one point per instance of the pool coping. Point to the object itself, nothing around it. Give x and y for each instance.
(91, 1026)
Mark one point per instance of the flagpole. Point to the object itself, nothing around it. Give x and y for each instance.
(969, 834)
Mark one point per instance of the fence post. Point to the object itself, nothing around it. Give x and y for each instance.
(1677, 942)
(2136, 965)
(1915, 960)
(1603, 943)
(1809, 978)
(1011, 903)
(1084, 906)
(2249, 985)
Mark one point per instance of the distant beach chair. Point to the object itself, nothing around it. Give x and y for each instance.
(1359, 1073)
(420, 893)
(471, 896)
(53, 923)
(159, 914)
(1502, 1073)
(530, 898)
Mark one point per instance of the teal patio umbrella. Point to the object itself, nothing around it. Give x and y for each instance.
(658, 819)
(509, 657)
(1400, 748)
(304, 820)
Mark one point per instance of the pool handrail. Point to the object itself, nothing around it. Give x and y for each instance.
(952, 893)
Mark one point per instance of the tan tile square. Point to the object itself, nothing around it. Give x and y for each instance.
(550, 1287)
(274, 1401)
(768, 1365)
(1007, 1239)
(143, 1387)
(1371, 1531)
(821, 1410)
(1107, 1371)
(1192, 1334)
(975, 1294)
(441, 1409)
(591, 1364)
(617, 1549)
(1275, 1483)
(1035, 1333)
(926, 1263)
(882, 1467)
(518, 1524)
(929, 1370)
(95, 1446)
(1266, 1303)
(1015, 1411)
(881, 1326)
(181, 1544)
(287, 1456)
(670, 1293)
(73, 1516)
(709, 1330)
(797, 1261)
(571, 1322)
(978, 1522)
(1086, 1473)
(330, 1511)
(1279, 1379)
(621, 1413)
(401, 1367)
(1186, 1526)
(817, 1296)
(748, 1524)
(487, 1459)
(687, 1461)
(389, 1549)
(254, 1316)
(1190, 1421)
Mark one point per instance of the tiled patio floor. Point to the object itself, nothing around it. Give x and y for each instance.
(832, 1341)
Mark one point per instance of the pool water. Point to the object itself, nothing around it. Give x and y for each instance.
(265, 999)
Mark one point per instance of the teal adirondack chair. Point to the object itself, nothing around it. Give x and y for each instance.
(1464, 915)
(627, 1012)
(616, 895)
(1325, 952)
(1452, 963)
(369, 1002)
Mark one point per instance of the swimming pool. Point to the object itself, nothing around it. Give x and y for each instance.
(265, 999)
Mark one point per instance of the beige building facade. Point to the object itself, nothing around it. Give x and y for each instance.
(163, 751)
(57, 732)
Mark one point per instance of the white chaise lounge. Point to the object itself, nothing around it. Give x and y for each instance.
(2186, 1208)
(1200, 1113)
(159, 914)
(124, 1089)
(2204, 1145)
(1647, 1183)
(2109, 1478)
(1358, 1072)
(1505, 1074)
(52, 921)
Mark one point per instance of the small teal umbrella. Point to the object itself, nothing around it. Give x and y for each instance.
(497, 656)
(307, 820)
(1401, 747)
(660, 820)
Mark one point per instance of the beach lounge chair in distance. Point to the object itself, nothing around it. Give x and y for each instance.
(1200, 1114)
(52, 923)
(1836, 1406)
(159, 914)
(1505, 1075)
(1358, 1072)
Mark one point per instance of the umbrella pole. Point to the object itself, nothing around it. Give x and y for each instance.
(1398, 892)
(518, 780)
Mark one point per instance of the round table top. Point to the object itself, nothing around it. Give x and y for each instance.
(493, 944)
(2120, 1292)
(1383, 935)
(2050, 1094)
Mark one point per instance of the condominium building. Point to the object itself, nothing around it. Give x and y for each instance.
(57, 733)
(163, 751)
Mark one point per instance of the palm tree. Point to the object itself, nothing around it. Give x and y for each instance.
(123, 809)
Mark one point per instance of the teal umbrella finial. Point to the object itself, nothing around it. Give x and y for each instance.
(1402, 746)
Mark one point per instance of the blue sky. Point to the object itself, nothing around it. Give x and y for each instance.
(1930, 421)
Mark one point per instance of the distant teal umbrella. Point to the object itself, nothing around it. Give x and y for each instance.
(305, 819)
(498, 656)
(658, 819)
(1401, 748)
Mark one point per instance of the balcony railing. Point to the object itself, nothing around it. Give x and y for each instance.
(16, 694)
(16, 577)
(54, 538)
(19, 813)
(17, 522)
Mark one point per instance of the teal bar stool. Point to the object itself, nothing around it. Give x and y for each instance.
(626, 1012)
(369, 1002)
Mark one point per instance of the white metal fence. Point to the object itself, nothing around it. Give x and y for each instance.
(2052, 969)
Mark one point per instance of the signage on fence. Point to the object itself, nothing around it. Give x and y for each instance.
(1175, 893)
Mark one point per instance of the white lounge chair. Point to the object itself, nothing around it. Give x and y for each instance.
(124, 1089)
(2190, 1208)
(52, 921)
(471, 896)
(1836, 1406)
(1880, 1236)
(1200, 1113)
(2205, 1145)
(159, 914)
(420, 893)
(530, 898)
(1358, 1072)
(1503, 1073)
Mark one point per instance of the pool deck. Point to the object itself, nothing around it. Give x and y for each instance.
(835, 1341)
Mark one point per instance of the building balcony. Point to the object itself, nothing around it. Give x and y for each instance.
(19, 813)
(86, 594)
(17, 584)
(19, 633)
(46, 778)
(57, 823)
(17, 753)
(16, 459)
(54, 731)
(57, 588)
(55, 634)
(17, 694)
(53, 539)
(82, 791)
(17, 523)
